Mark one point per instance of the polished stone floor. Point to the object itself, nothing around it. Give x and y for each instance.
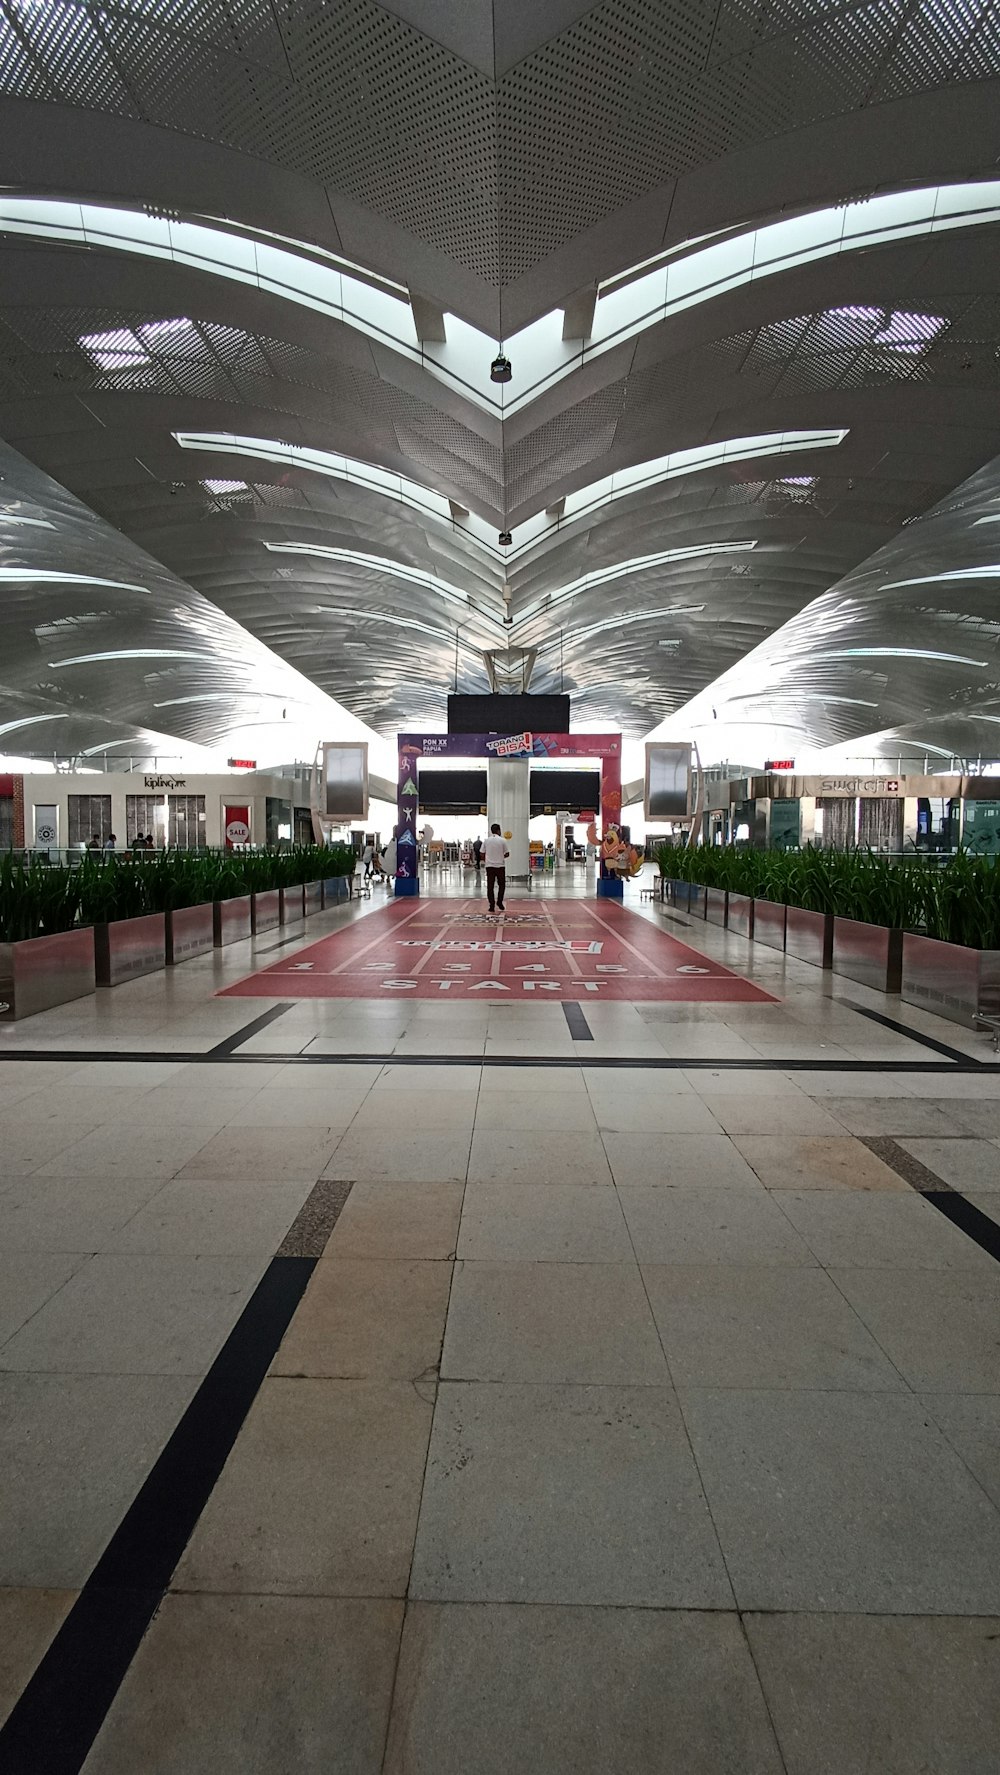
(623, 1401)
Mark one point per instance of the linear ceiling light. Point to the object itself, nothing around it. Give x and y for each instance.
(577, 505)
(30, 721)
(47, 576)
(376, 563)
(89, 659)
(690, 274)
(623, 622)
(383, 616)
(622, 569)
(955, 659)
(930, 579)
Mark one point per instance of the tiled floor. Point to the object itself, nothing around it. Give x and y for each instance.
(639, 1413)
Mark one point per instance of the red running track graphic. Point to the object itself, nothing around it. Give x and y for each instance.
(536, 953)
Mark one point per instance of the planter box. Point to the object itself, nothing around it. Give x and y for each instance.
(689, 897)
(265, 911)
(769, 923)
(190, 930)
(740, 915)
(231, 920)
(292, 909)
(129, 947)
(43, 972)
(335, 889)
(312, 897)
(868, 953)
(809, 936)
(949, 979)
(715, 905)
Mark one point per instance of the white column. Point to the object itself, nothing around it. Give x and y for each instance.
(507, 804)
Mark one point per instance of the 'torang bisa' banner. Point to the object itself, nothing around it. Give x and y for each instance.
(414, 746)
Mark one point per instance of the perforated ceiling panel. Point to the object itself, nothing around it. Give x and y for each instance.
(657, 89)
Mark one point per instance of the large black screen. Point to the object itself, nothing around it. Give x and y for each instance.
(508, 714)
(564, 791)
(452, 791)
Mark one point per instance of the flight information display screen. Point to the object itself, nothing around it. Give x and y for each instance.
(508, 714)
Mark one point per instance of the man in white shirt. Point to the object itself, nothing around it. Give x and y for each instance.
(496, 854)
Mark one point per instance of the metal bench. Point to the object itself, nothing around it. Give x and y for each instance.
(992, 1024)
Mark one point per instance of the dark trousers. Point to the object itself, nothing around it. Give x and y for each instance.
(496, 882)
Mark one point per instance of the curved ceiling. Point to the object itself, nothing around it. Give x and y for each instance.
(256, 261)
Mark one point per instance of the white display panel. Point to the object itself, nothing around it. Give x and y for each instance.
(345, 780)
(668, 781)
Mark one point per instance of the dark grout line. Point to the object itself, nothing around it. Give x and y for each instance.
(969, 1219)
(576, 1022)
(58, 1716)
(913, 1035)
(232, 1042)
(943, 1196)
(224, 1054)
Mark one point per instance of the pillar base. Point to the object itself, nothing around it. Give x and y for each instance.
(609, 889)
(406, 886)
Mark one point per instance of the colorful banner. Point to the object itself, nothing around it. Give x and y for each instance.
(414, 746)
(236, 825)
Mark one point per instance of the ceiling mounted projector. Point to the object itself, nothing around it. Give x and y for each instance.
(500, 370)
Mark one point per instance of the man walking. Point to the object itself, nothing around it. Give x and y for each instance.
(496, 874)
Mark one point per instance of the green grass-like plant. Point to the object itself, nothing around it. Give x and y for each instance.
(956, 902)
(36, 900)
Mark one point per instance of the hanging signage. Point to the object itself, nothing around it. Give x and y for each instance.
(242, 763)
(779, 764)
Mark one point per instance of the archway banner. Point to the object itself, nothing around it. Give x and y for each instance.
(607, 747)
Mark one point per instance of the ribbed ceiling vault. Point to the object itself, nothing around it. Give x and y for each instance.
(497, 165)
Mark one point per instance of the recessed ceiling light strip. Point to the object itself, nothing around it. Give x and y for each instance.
(583, 503)
(304, 274)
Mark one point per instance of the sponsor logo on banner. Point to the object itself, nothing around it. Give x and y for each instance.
(515, 743)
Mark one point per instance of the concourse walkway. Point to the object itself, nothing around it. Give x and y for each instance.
(499, 1385)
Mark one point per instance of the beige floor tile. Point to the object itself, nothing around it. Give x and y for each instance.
(634, 1114)
(528, 1156)
(581, 1691)
(29, 1622)
(253, 1685)
(74, 1450)
(320, 1494)
(28, 1279)
(264, 1154)
(394, 1220)
(136, 1315)
(221, 1218)
(816, 1161)
(543, 1223)
(855, 1694)
(758, 1113)
(450, 1111)
(588, 1323)
(556, 1494)
(558, 1111)
(427, 1155)
(368, 1319)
